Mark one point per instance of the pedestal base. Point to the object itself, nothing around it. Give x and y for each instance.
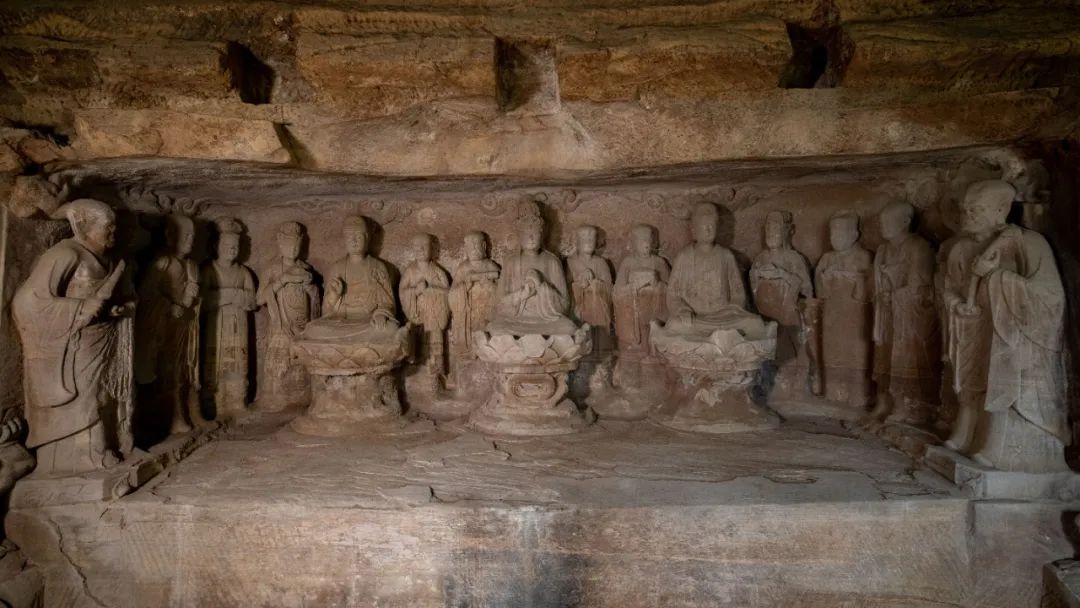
(465, 389)
(640, 386)
(714, 403)
(351, 405)
(981, 481)
(530, 400)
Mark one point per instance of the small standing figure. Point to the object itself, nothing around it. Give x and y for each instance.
(67, 313)
(906, 336)
(167, 324)
(1005, 339)
(591, 284)
(291, 297)
(844, 285)
(640, 290)
(423, 290)
(472, 294)
(780, 281)
(228, 289)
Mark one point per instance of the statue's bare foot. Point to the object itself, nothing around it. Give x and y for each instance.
(110, 459)
(179, 427)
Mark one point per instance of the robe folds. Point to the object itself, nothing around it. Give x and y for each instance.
(70, 369)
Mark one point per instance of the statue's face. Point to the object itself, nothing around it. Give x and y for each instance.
(894, 223)
(775, 232)
(979, 213)
(100, 231)
(289, 247)
(356, 240)
(530, 238)
(422, 249)
(843, 233)
(228, 247)
(586, 242)
(183, 237)
(475, 249)
(704, 229)
(643, 242)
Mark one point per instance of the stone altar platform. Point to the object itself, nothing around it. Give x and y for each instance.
(623, 514)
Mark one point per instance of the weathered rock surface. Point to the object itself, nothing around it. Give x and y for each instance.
(413, 88)
(624, 515)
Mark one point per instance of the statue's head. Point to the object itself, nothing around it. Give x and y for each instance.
(706, 223)
(423, 246)
(778, 229)
(290, 239)
(895, 220)
(93, 222)
(986, 205)
(180, 234)
(228, 245)
(475, 246)
(644, 239)
(843, 230)
(586, 239)
(356, 235)
(530, 233)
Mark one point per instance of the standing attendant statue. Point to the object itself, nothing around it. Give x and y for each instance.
(1005, 339)
(423, 291)
(844, 282)
(68, 314)
(228, 289)
(291, 297)
(780, 282)
(472, 294)
(640, 291)
(591, 285)
(167, 324)
(906, 335)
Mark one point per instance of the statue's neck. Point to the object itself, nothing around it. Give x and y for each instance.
(704, 246)
(357, 257)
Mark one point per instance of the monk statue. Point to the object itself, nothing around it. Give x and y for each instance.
(591, 283)
(167, 324)
(291, 297)
(532, 292)
(1004, 339)
(359, 292)
(67, 313)
(844, 282)
(423, 289)
(908, 343)
(780, 281)
(706, 291)
(228, 289)
(472, 294)
(640, 291)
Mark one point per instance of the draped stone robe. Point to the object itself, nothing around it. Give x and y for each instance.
(290, 308)
(777, 298)
(639, 298)
(472, 301)
(229, 297)
(543, 312)
(843, 281)
(71, 372)
(708, 286)
(1021, 312)
(592, 302)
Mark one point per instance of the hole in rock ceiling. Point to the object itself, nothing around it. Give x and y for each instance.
(248, 75)
(819, 57)
(526, 79)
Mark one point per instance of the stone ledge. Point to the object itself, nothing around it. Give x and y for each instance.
(986, 482)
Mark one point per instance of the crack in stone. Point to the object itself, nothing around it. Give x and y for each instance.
(78, 571)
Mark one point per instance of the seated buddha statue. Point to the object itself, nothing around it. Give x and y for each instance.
(706, 290)
(359, 297)
(532, 292)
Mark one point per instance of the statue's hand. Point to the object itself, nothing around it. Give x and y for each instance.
(11, 430)
(966, 310)
(381, 319)
(985, 264)
(336, 287)
(422, 285)
(122, 310)
(176, 311)
(191, 291)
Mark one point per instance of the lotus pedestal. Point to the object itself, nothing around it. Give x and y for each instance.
(529, 396)
(716, 373)
(352, 389)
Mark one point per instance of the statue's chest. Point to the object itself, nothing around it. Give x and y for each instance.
(86, 279)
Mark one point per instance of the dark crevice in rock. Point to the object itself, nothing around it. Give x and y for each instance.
(299, 155)
(48, 132)
(819, 57)
(248, 75)
(525, 76)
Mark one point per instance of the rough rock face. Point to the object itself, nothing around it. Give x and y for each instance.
(420, 88)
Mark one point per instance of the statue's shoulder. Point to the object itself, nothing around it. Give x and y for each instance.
(65, 250)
